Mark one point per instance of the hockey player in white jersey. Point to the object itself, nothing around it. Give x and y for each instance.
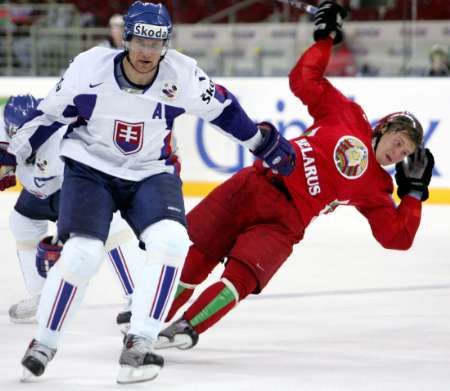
(38, 203)
(119, 156)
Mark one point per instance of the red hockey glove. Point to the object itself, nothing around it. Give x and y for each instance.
(7, 177)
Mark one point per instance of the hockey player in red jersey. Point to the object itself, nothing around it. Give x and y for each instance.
(255, 218)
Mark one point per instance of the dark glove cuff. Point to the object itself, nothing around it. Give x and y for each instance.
(269, 141)
(406, 189)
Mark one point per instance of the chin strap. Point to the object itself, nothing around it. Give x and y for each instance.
(375, 141)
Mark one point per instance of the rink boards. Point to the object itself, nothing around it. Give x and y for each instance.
(208, 157)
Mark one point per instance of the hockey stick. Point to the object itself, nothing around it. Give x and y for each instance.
(308, 8)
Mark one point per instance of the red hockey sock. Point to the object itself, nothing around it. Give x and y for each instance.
(197, 266)
(195, 270)
(217, 300)
(210, 307)
(182, 295)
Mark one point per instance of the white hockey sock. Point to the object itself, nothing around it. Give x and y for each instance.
(66, 285)
(59, 301)
(27, 233)
(124, 255)
(167, 244)
(119, 266)
(155, 288)
(26, 252)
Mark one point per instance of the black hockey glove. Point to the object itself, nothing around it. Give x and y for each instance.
(275, 150)
(414, 174)
(328, 19)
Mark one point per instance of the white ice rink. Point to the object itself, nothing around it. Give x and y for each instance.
(343, 314)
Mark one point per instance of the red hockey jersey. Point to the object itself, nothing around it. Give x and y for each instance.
(336, 163)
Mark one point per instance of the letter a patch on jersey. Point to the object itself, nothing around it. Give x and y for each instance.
(128, 137)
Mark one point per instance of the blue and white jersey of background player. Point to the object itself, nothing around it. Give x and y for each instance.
(4, 139)
(43, 175)
(124, 132)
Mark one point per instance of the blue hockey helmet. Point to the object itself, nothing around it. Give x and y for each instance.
(17, 110)
(147, 20)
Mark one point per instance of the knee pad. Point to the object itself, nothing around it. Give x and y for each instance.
(239, 277)
(27, 232)
(119, 233)
(80, 259)
(166, 241)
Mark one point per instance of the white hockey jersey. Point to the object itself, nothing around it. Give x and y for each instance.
(44, 174)
(124, 134)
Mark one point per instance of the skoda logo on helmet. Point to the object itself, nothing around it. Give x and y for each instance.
(150, 31)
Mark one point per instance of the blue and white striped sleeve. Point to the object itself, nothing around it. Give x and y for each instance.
(215, 104)
(56, 110)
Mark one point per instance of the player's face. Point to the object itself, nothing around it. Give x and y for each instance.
(145, 53)
(116, 32)
(393, 148)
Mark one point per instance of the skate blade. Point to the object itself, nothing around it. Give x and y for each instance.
(182, 342)
(128, 374)
(27, 376)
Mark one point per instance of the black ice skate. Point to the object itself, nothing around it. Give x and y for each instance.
(137, 361)
(180, 335)
(36, 359)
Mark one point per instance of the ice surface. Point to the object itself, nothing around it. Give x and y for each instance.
(342, 314)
